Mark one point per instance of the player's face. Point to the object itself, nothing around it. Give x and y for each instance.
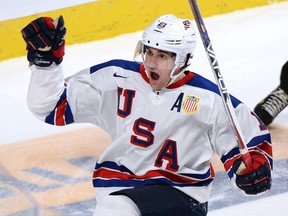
(159, 65)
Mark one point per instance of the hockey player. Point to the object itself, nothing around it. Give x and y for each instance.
(268, 108)
(165, 121)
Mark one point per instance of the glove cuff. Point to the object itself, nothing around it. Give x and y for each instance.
(42, 59)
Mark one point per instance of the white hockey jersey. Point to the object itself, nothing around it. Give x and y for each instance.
(164, 137)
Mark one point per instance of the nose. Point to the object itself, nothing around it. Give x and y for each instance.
(151, 62)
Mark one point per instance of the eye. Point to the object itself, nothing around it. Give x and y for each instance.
(162, 56)
(149, 52)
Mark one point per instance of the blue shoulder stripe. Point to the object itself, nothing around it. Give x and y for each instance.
(125, 64)
(201, 82)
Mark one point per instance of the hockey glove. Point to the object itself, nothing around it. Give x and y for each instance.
(45, 41)
(256, 178)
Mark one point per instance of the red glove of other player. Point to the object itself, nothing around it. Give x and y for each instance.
(256, 178)
(45, 41)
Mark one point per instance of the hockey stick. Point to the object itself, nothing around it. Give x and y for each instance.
(220, 82)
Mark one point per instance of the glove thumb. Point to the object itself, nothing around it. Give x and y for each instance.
(59, 24)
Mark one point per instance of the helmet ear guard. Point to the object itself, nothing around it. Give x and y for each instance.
(172, 34)
(188, 61)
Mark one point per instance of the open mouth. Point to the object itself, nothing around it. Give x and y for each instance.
(154, 75)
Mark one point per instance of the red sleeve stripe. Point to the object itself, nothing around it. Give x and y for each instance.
(266, 148)
(60, 113)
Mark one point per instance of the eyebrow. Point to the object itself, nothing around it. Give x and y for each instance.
(163, 51)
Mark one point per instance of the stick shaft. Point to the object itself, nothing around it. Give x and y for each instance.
(220, 82)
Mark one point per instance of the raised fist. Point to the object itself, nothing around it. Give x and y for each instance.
(45, 39)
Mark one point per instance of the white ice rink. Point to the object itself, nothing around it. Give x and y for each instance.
(250, 45)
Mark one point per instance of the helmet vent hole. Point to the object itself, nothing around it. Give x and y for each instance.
(157, 44)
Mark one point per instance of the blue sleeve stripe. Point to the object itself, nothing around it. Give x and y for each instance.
(62, 114)
(255, 143)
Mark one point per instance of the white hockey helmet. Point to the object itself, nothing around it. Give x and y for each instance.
(171, 34)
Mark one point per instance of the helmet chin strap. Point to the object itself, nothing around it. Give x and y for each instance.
(181, 68)
(173, 78)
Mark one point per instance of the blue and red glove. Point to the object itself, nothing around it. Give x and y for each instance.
(256, 178)
(45, 41)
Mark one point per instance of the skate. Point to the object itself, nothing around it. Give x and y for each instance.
(272, 105)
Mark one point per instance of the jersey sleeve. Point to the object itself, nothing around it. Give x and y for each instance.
(59, 101)
(256, 137)
(45, 89)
